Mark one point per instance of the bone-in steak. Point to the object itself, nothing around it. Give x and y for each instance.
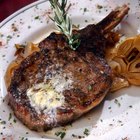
(57, 85)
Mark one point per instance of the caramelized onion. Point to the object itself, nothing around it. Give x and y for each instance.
(133, 78)
(118, 83)
(125, 47)
(121, 62)
(21, 53)
(126, 63)
(30, 49)
(135, 66)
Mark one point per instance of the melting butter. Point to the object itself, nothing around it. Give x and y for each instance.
(48, 96)
(44, 97)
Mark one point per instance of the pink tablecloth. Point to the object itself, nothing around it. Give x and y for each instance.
(7, 7)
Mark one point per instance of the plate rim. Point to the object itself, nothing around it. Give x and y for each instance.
(21, 10)
(17, 13)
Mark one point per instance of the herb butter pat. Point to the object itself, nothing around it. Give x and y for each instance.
(47, 96)
(44, 97)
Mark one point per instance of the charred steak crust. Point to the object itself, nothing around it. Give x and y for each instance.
(90, 81)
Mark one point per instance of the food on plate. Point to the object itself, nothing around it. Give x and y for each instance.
(125, 62)
(55, 85)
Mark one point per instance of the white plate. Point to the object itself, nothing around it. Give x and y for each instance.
(108, 121)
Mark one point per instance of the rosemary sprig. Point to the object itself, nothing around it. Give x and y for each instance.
(64, 23)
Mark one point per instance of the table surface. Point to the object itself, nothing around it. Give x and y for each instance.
(7, 7)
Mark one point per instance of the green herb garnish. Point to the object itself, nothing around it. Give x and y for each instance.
(89, 87)
(10, 116)
(14, 120)
(109, 107)
(117, 102)
(86, 132)
(99, 6)
(22, 138)
(37, 17)
(101, 120)
(85, 9)
(3, 122)
(130, 106)
(60, 134)
(64, 23)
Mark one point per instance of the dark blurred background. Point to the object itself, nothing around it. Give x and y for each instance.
(7, 7)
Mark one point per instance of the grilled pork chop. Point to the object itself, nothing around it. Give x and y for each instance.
(56, 85)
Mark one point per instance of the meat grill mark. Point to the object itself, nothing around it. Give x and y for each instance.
(91, 75)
